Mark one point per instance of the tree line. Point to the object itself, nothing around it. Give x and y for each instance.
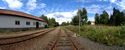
(115, 19)
(75, 20)
(82, 15)
(51, 21)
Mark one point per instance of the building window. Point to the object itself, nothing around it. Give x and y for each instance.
(27, 23)
(17, 22)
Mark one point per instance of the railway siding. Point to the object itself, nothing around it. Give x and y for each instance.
(36, 43)
(22, 37)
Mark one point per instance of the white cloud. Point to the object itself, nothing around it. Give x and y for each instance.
(31, 4)
(98, 8)
(2, 7)
(62, 16)
(67, 16)
(112, 1)
(14, 4)
(42, 5)
(103, 0)
(93, 9)
(120, 3)
(93, 6)
(91, 18)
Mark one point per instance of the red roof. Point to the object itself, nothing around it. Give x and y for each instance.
(21, 14)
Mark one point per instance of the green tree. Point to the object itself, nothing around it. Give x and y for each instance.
(123, 19)
(89, 22)
(52, 22)
(64, 24)
(104, 18)
(117, 18)
(75, 20)
(97, 18)
(44, 17)
(82, 13)
(56, 24)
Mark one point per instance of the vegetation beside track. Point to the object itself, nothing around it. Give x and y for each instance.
(109, 35)
(8, 32)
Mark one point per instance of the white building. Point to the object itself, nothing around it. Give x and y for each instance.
(92, 22)
(16, 19)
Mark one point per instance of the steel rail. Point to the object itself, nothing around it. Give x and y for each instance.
(25, 39)
(54, 45)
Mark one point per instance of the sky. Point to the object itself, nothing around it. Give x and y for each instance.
(62, 10)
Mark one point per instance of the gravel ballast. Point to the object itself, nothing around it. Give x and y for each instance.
(37, 43)
(91, 45)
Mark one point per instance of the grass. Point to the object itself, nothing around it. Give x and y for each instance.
(8, 32)
(109, 35)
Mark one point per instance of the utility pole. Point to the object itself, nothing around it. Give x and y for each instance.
(79, 16)
(79, 21)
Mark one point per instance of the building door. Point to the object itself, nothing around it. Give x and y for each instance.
(37, 24)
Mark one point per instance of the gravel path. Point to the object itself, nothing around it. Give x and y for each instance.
(37, 43)
(90, 45)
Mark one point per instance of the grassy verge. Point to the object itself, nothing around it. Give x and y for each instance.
(109, 35)
(7, 32)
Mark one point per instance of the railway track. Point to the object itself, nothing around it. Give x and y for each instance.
(21, 38)
(63, 41)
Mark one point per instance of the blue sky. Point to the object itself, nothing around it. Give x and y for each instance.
(62, 10)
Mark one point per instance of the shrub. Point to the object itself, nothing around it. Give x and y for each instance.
(109, 35)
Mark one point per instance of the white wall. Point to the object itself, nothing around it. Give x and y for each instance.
(7, 21)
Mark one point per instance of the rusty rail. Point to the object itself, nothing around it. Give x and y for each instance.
(17, 39)
(63, 42)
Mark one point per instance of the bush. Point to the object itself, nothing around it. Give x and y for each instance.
(109, 35)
